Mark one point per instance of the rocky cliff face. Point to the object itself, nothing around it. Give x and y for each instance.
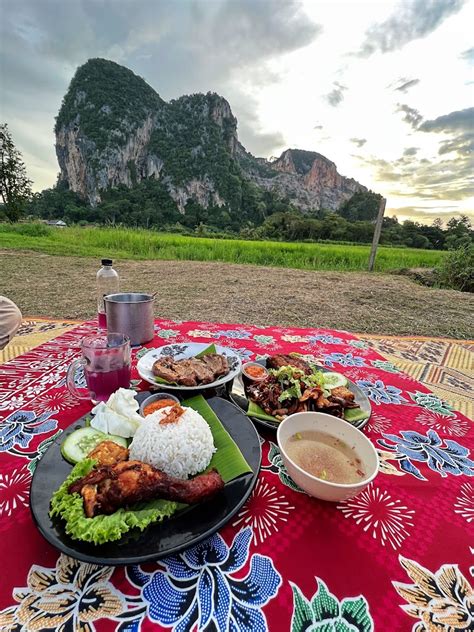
(308, 179)
(114, 129)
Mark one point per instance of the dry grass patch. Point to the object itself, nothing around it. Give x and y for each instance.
(64, 287)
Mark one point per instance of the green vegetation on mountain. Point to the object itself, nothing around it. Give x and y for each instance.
(106, 102)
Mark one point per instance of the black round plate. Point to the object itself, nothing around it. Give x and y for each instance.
(182, 530)
(239, 397)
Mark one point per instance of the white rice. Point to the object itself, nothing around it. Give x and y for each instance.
(181, 449)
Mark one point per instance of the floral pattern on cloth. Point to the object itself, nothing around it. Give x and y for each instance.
(325, 613)
(274, 531)
(381, 394)
(264, 511)
(441, 456)
(385, 365)
(71, 596)
(199, 587)
(19, 428)
(442, 601)
(432, 402)
(344, 359)
(464, 504)
(445, 424)
(14, 492)
(377, 513)
(276, 466)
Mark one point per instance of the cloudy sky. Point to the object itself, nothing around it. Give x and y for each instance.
(382, 88)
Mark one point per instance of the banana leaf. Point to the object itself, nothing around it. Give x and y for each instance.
(228, 459)
(254, 410)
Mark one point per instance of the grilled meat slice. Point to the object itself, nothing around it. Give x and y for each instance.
(217, 364)
(186, 374)
(107, 488)
(191, 371)
(108, 453)
(166, 369)
(280, 359)
(204, 375)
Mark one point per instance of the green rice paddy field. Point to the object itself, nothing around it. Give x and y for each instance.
(139, 244)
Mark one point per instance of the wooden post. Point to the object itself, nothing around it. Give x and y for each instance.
(377, 231)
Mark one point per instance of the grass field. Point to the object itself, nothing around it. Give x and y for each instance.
(139, 244)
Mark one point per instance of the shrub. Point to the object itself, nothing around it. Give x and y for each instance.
(456, 271)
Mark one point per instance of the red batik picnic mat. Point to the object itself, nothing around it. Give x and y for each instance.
(398, 555)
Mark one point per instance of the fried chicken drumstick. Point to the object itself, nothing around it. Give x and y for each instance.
(109, 487)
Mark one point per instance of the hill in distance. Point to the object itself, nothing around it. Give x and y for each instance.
(114, 129)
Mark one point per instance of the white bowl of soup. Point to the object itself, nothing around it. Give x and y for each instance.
(326, 456)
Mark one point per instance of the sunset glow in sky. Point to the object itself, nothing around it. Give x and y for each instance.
(384, 89)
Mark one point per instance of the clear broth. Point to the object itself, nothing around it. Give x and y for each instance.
(325, 457)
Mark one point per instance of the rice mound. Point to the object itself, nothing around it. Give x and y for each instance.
(179, 449)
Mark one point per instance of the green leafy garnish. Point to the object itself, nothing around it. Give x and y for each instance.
(160, 380)
(228, 460)
(100, 529)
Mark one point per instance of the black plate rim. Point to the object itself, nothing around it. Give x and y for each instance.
(270, 425)
(151, 557)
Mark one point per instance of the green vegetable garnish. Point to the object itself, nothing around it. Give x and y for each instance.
(298, 435)
(324, 475)
(103, 528)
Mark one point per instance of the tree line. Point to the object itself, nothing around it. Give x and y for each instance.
(262, 215)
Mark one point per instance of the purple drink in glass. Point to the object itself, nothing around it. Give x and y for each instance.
(106, 361)
(102, 385)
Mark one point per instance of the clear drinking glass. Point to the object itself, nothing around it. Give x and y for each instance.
(106, 360)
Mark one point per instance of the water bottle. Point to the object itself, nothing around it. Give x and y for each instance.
(107, 283)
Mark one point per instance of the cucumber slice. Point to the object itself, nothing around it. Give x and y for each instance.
(333, 380)
(352, 415)
(79, 443)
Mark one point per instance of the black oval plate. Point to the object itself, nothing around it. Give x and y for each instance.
(239, 397)
(182, 530)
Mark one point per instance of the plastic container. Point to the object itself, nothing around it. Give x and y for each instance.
(107, 283)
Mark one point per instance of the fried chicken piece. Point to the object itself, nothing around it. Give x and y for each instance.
(108, 453)
(343, 393)
(107, 488)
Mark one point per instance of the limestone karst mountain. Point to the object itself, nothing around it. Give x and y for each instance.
(113, 129)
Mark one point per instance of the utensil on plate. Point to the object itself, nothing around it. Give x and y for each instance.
(106, 362)
(340, 429)
(132, 314)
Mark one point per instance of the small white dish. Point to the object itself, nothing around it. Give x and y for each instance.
(155, 397)
(321, 422)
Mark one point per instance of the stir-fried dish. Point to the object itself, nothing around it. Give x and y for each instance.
(296, 385)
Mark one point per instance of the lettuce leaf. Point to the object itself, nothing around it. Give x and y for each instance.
(103, 528)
